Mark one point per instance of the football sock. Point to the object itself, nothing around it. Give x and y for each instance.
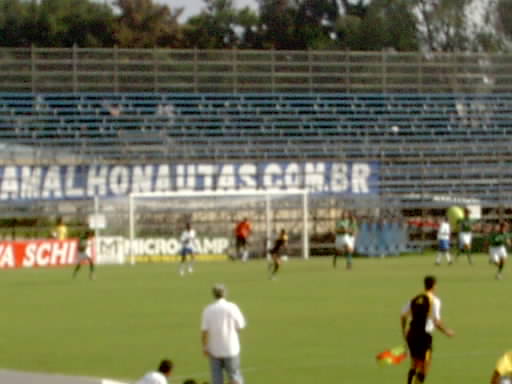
(276, 268)
(420, 377)
(349, 260)
(410, 375)
(501, 264)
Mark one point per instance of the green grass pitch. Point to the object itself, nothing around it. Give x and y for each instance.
(312, 325)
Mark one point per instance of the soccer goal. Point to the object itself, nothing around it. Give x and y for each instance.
(214, 214)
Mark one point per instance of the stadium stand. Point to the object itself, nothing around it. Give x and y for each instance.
(424, 143)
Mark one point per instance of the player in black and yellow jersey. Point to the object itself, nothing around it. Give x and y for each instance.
(275, 253)
(84, 254)
(418, 320)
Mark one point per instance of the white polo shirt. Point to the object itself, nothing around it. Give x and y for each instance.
(222, 320)
(153, 378)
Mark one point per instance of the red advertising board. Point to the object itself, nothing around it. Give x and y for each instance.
(37, 253)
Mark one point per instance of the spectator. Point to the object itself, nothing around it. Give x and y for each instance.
(220, 324)
(160, 376)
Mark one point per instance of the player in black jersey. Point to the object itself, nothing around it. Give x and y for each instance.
(84, 254)
(279, 244)
(418, 320)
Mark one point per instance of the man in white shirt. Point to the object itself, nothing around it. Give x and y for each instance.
(220, 324)
(443, 238)
(160, 376)
(188, 246)
(424, 312)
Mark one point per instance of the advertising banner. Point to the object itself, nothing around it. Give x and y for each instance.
(71, 182)
(38, 253)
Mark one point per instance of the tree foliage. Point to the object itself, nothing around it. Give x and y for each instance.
(400, 25)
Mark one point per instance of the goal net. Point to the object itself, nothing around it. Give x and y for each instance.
(146, 227)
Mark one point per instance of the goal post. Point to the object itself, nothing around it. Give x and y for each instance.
(270, 209)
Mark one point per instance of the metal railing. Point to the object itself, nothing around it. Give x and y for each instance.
(246, 71)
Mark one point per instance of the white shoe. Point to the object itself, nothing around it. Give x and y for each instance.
(190, 269)
(182, 272)
(498, 276)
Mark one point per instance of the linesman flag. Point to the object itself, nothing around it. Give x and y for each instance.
(392, 356)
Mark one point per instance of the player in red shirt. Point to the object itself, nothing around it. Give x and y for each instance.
(242, 232)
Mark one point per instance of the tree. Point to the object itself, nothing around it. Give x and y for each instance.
(443, 25)
(145, 24)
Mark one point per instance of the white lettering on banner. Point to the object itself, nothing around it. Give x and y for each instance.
(78, 182)
(141, 178)
(71, 191)
(163, 179)
(49, 253)
(292, 176)
(9, 184)
(52, 186)
(30, 182)
(247, 176)
(273, 177)
(6, 256)
(119, 180)
(360, 175)
(227, 180)
(97, 180)
(339, 177)
(206, 171)
(315, 176)
(191, 177)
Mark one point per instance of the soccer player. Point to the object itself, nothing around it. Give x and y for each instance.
(497, 242)
(443, 238)
(502, 374)
(85, 246)
(346, 230)
(60, 232)
(242, 232)
(188, 243)
(465, 226)
(418, 320)
(279, 244)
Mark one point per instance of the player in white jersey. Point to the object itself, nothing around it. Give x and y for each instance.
(443, 238)
(188, 247)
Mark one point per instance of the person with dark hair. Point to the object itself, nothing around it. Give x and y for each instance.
(159, 376)
(220, 324)
(424, 313)
(497, 242)
(275, 253)
(465, 228)
(346, 231)
(60, 232)
(242, 232)
(85, 251)
(188, 248)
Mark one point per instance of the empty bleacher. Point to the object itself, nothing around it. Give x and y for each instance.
(424, 143)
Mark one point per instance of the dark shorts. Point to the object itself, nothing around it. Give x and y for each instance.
(241, 241)
(420, 345)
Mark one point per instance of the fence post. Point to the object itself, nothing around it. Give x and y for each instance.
(33, 68)
(196, 86)
(75, 62)
(234, 57)
(116, 69)
(272, 69)
(310, 72)
(155, 70)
